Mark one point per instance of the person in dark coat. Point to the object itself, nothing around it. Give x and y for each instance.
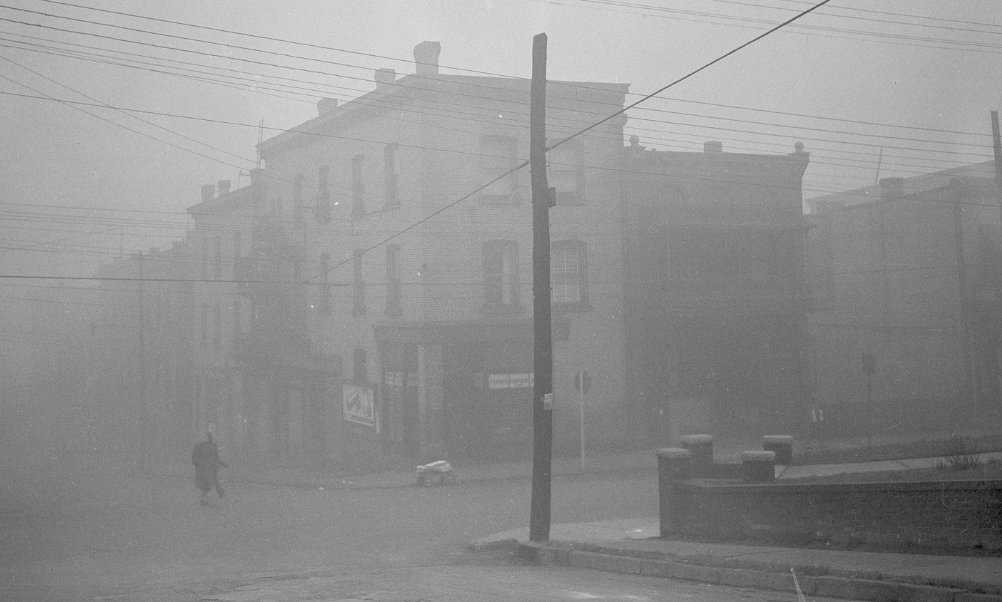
(206, 459)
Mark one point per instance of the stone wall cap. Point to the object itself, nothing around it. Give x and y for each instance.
(758, 456)
(673, 453)
(777, 438)
(697, 438)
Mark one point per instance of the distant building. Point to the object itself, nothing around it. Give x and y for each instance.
(906, 281)
(716, 293)
(358, 302)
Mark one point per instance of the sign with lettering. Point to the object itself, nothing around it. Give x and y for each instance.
(359, 405)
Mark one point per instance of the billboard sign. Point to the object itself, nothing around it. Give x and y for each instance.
(359, 405)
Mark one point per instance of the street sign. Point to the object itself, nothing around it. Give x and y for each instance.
(582, 381)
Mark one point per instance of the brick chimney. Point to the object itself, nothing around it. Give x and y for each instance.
(713, 146)
(385, 76)
(892, 188)
(208, 192)
(223, 186)
(326, 105)
(426, 58)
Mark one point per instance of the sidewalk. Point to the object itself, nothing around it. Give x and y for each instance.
(633, 546)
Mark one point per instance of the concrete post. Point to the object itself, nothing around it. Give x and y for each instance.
(701, 447)
(758, 466)
(673, 466)
(782, 445)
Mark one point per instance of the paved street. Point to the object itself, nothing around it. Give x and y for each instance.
(85, 531)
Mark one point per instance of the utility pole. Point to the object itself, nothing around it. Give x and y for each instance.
(143, 466)
(997, 144)
(542, 358)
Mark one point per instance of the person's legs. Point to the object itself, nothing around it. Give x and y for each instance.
(218, 487)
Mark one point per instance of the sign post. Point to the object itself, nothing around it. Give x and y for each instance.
(582, 382)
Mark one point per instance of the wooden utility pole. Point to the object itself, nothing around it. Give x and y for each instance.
(542, 359)
(143, 464)
(997, 144)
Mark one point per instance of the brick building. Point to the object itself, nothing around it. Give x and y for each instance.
(716, 296)
(906, 281)
(355, 302)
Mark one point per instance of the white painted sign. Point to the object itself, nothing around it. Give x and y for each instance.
(359, 405)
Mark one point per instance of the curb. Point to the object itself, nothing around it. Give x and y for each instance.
(742, 575)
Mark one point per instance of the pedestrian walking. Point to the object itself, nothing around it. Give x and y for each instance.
(205, 457)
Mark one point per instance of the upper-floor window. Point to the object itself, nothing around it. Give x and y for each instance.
(569, 274)
(357, 186)
(323, 194)
(566, 172)
(357, 283)
(217, 330)
(325, 289)
(501, 274)
(393, 306)
(390, 174)
(205, 258)
(497, 158)
(297, 197)
(359, 365)
(217, 271)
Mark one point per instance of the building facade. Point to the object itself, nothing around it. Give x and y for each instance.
(906, 281)
(717, 299)
(367, 297)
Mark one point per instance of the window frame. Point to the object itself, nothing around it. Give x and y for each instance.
(564, 197)
(578, 249)
(394, 305)
(497, 281)
(505, 163)
(357, 283)
(357, 186)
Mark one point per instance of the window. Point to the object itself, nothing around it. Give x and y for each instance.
(217, 271)
(497, 158)
(237, 326)
(566, 172)
(357, 186)
(217, 330)
(325, 289)
(205, 258)
(393, 280)
(390, 174)
(500, 274)
(358, 365)
(297, 197)
(568, 273)
(323, 210)
(357, 284)
(204, 330)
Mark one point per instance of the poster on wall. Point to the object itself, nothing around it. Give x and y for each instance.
(359, 405)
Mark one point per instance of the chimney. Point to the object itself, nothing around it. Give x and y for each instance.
(892, 188)
(426, 58)
(208, 191)
(713, 146)
(257, 176)
(385, 76)
(326, 105)
(223, 186)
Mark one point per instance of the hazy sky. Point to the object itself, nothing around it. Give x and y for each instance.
(915, 78)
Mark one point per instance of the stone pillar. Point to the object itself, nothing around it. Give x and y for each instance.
(782, 445)
(701, 447)
(758, 466)
(673, 466)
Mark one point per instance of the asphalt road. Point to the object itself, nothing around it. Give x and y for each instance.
(82, 530)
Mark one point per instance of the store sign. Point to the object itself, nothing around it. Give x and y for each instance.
(519, 380)
(359, 405)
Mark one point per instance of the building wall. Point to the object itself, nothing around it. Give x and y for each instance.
(906, 271)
